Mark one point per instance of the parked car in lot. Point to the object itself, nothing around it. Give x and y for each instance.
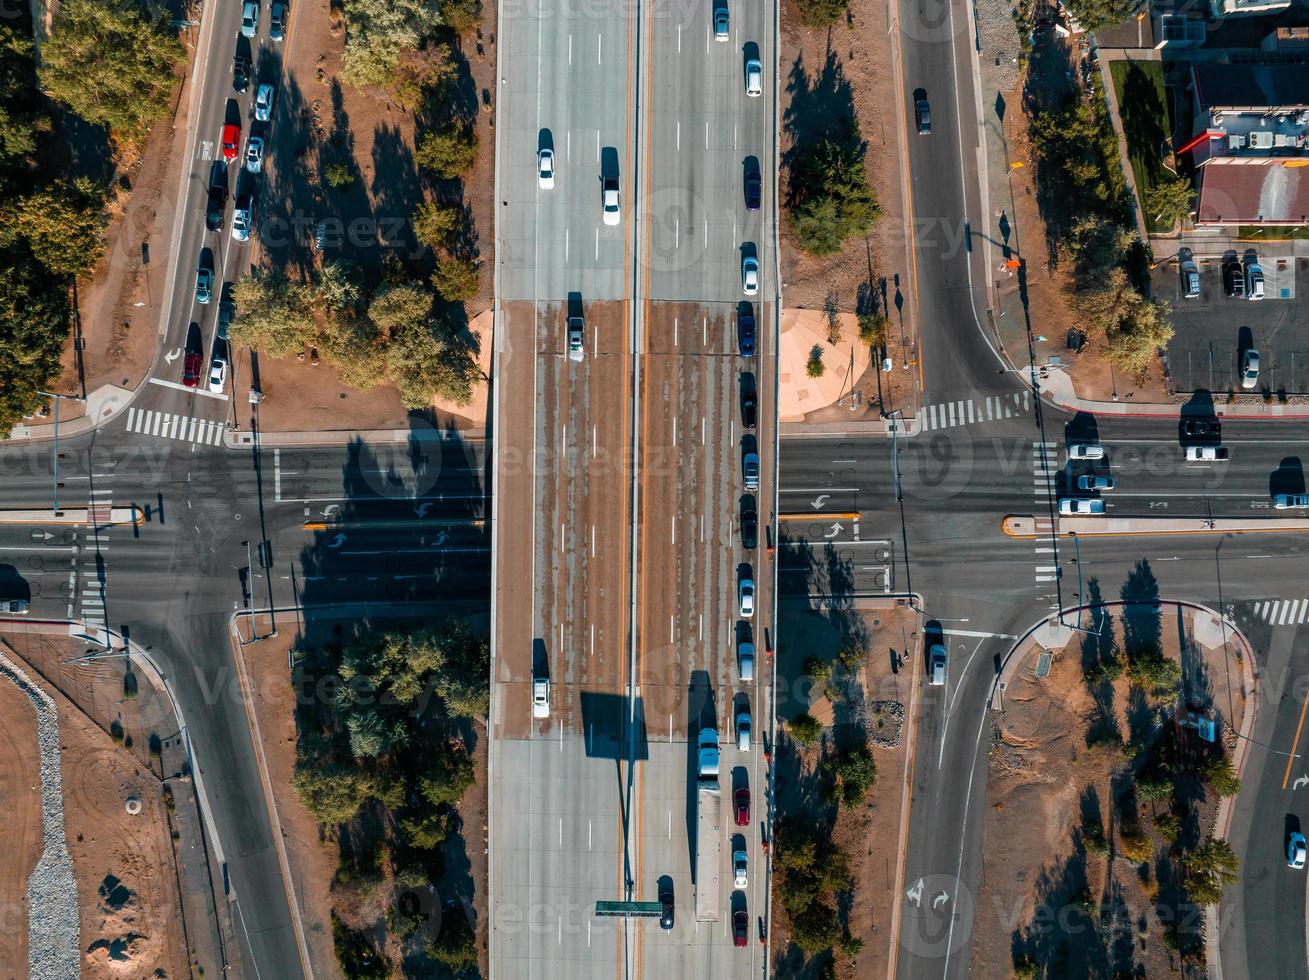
(1088, 481)
(922, 112)
(1254, 281)
(14, 607)
(1249, 368)
(1295, 850)
(1085, 450)
(1080, 506)
(1233, 279)
(1290, 501)
(1190, 274)
(1205, 454)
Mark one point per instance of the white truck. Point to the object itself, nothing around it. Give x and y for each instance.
(708, 836)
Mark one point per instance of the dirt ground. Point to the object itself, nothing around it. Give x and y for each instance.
(313, 860)
(131, 913)
(1042, 775)
(879, 696)
(827, 75)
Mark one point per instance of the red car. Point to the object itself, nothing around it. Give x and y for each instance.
(740, 926)
(231, 141)
(742, 807)
(191, 369)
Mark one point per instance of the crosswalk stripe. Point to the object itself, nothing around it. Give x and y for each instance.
(1285, 614)
(1297, 611)
(990, 409)
(1008, 412)
(1045, 578)
(131, 418)
(218, 433)
(190, 430)
(202, 432)
(1259, 609)
(932, 412)
(161, 423)
(950, 409)
(970, 413)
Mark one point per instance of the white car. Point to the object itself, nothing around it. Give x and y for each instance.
(218, 374)
(936, 666)
(754, 78)
(254, 154)
(540, 697)
(1290, 501)
(613, 212)
(576, 341)
(1074, 506)
(743, 730)
(249, 18)
(740, 878)
(1295, 850)
(1249, 369)
(1254, 281)
(545, 169)
(1088, 482)
(264, 102)
(1085, 450)
(242, 218)
(750, 275)
(750, 470)
(1205, 454)
(745, 598)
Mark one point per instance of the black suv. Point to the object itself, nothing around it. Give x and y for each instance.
(666, 914)
(754, 186)
(241, 73)
(748, 407)
(749, 524)
(745, 334)
(1202, 428)
(214, 208)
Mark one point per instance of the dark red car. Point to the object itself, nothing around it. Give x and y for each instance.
(191, 369)
(740, 926)
(231, 141)
(742, 807)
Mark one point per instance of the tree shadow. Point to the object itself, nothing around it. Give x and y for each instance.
(1141, 614)
(1058, 941)
(818, 108)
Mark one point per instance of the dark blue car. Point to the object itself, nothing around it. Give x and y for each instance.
(745, 334)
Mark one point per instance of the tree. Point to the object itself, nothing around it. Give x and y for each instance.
(461, 15)
(1097, 247)
(332, 792)
(455, 279)
(21, 117)
(435, 224)
(383, 677)
(464, 686)
(398, 306)
(804, 728)
(447, 776)
(338, 285)
(1218, 772)
(427, 830)
(856, 771)
(832, 199)
(379, 32)
(820, 13)
(1169, 201)
(454, 945)
(1210, 868)
(420, 73)
(109, 64)
(272, 314)
(63, 224)
(447, 152)
(424, 366)
(872, 329)
(356, 350)
(1097, 14)
(1154, 787)
(33, 325)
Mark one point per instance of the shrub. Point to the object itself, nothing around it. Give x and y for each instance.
(435, 224)
(461, 16)
(455, 279)
(1218, 772)
(857, 772)
(447, 152)
(1134, 842)
(339, 176)
(872, 329)
(804, 728)
(820, 13)
(815, 367)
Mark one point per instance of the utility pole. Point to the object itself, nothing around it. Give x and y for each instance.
(54, 453)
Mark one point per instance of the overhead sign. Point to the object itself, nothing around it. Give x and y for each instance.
(647, 910)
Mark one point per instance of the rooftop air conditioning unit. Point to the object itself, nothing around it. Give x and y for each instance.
(1261, 140)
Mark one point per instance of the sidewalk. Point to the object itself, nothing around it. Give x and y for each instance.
(1056, 387)
(244, 439)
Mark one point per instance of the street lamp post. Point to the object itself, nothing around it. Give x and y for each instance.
(54, 453)
(1077, 560)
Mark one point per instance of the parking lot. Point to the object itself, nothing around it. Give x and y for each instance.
(1212, 330)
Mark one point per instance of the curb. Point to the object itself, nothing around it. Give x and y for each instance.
(246, 439)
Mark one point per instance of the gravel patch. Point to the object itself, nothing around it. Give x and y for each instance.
(891, 715)
(54, 947)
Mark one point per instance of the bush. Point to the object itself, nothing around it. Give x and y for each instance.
(1134, 842)
(1093, 838)
(1209, 868)
(379, 32)
(1105, 670)
(872, 329)
(1218, 772)
(339, 176)
(447, 152)
(419, 73)
(815, 367)
(455, 279)
(435, 224)
(461, 16)
(820, 13)
(1025, 968)
(857, 772)
(804, 728)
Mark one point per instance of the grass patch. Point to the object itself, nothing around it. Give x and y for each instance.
(1143, 108)
(1258, 233)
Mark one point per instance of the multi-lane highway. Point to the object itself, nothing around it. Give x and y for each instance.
(621, 483)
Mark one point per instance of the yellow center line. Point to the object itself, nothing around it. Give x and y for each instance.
(1294, 744)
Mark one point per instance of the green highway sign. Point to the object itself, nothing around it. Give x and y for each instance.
(640, 909)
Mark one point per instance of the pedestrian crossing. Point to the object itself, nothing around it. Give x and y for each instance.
(969, 411)
(1045, 460)
(167, 425)
(91, 597)
(1283, 612)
